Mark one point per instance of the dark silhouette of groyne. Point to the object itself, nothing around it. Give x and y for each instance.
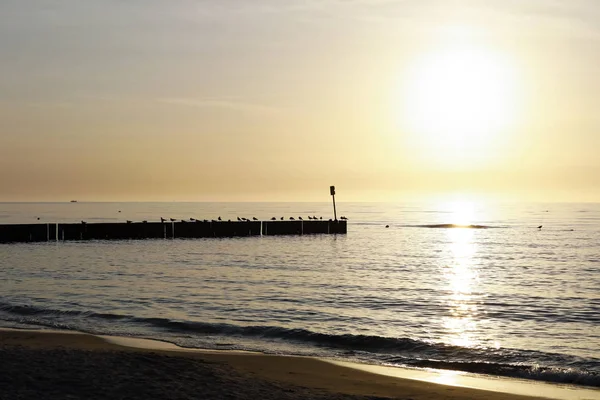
(14, 233)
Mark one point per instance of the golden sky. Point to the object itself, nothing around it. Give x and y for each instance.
(268, 100)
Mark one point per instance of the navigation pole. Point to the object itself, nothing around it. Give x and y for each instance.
(332, 191)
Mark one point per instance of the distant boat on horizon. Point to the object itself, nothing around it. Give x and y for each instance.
(73, 201)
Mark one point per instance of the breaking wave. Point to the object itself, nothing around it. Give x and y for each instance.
(397, 351)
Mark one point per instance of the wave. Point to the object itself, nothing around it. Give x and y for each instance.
(571, 376)
(438, 226)
(452, 226)
(389, 350)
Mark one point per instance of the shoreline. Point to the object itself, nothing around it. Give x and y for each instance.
(296, 374)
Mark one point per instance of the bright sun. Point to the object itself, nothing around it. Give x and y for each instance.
(458, 102)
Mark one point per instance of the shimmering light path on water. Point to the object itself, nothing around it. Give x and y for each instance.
(510, 300)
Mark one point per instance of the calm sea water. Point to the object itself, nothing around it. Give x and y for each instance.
(508, 300)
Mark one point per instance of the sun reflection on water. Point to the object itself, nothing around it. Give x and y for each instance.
(446, 377)
(461, 280)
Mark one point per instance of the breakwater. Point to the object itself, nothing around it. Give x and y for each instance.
(14, 233)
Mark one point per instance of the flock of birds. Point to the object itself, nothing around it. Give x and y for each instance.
(239, 219)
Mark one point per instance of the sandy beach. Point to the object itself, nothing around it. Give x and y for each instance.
(59, 365)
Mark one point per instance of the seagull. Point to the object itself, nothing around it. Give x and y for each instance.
(309, 217)
(239, 219)
(387, 226)
(162, 219)
(343, 218)
(145, 222)
(205, 220)
(540, 227)
(128, 221)
(119, 210)
(192, 219)
(219, 219)
(254, 219)
(282, 218)
(273, 219)
(83, 222)
(38, 218)
(183, 220)
(292, 219)
(300, 218)
(172, 219)
(320, 217)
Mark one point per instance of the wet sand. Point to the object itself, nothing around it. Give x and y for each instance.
(63, 365)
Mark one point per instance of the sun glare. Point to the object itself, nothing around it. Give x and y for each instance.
(458, 102)
(462, 212)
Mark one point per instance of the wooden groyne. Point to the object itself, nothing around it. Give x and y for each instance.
(14, 233)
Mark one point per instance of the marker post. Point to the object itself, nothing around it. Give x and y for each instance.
(332, 192)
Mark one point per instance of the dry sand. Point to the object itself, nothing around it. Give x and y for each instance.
(64, 365)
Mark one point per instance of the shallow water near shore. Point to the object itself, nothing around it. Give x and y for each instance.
(507, 299)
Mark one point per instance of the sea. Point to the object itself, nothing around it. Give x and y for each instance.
(503, 289)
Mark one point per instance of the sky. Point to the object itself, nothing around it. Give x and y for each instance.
(270, 100)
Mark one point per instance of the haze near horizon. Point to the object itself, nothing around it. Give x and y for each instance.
(270, 101)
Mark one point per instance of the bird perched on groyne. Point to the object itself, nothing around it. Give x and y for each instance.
(274, 219)
(162, 219)
(129, 222)
(292, 219)
(254, 219)
(219, 219)
(172, 219)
